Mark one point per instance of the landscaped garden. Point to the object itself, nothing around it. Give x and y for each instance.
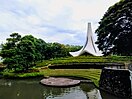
(31, 57)
(42, 68)
(25, 56)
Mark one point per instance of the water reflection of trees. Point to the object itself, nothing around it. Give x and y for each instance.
(54, 91)
(29, 89)
(19, 89)
(87, 88)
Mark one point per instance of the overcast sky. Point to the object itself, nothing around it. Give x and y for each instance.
(63, 21)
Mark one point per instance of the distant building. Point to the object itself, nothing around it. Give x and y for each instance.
(89, 46)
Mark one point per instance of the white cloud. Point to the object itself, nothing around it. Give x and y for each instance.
(63, 21)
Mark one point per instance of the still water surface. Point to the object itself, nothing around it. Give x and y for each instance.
(31, 89)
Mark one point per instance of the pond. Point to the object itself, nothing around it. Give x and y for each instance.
(32, 89)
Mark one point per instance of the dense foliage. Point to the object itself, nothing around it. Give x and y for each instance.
(21, 53)
(115, 30)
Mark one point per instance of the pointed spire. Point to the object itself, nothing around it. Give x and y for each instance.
(89, 46)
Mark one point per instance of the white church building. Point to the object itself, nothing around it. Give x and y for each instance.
(89, 46)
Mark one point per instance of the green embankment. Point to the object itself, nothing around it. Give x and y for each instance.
(93, 74)
(85, 59)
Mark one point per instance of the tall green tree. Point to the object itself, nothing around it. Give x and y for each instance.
(39, 46)
(35, 42)
(12, 41)
(56, 50)
(115, 29)
(9, 49)
(25, 54)
(18, 53)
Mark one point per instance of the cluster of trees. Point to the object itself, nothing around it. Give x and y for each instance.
(114, 36)
(21, 53)
(115, 30)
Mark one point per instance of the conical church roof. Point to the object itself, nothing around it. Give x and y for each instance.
(89, 46)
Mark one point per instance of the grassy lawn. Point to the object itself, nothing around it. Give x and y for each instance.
(93, 74)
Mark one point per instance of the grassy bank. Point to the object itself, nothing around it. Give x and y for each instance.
(92, 74)
(85, 59)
